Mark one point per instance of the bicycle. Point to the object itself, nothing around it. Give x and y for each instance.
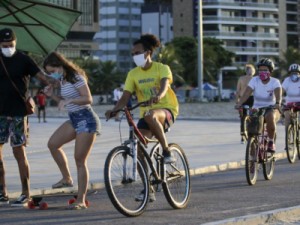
(256, 150)
(292, 139)
(126, 174)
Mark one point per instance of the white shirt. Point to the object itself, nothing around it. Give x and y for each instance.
(116, 95)
(292, 90)
(263, 93)
(70, 91)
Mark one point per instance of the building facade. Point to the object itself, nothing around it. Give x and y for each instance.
(120, 25)
(250, 29)
(79, 41)
(157, 19)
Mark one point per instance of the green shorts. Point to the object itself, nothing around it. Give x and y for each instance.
(15, 128)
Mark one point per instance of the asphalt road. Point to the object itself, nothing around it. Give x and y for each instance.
(215, 196)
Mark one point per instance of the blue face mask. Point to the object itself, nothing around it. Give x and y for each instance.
(294, 77)
(56, 75)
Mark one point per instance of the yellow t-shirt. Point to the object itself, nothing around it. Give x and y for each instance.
(146, 84)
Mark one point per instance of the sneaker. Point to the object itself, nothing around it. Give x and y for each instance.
(4, 200)
(21, 201)
(168, 157)
(271, 147)
(140, 196)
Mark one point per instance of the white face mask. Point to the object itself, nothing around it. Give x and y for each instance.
(140, 60)
(8, 52)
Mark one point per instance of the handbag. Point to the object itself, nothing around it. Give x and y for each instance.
(29, 102)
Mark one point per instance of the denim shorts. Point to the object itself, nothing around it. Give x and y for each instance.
(15, 128)
(85, 120)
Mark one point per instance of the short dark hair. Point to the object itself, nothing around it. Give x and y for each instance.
(149, 41)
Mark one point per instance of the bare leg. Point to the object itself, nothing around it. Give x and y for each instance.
(155, 120)
(39, 115)
(44, 114)
(3, 189)
(20, 156)
(64, 134)
(271, 120)
(83, 145)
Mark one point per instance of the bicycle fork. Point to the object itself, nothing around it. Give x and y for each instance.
(133, 148)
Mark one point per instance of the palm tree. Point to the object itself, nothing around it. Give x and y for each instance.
(167, 56)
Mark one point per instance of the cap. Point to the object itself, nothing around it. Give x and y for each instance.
(7, 35)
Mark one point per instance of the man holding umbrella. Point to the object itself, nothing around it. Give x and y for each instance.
(15, 71)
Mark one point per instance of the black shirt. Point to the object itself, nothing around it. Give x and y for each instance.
(20, 67)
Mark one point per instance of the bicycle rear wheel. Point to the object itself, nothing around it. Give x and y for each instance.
(291, 144)
(122, 190)
(251, 160)
(177, 185)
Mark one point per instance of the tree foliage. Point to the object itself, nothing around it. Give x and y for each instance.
(290, 56)
(103, 76)
(215, 56)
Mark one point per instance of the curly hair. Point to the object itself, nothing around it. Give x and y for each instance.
(149, 41)
(56, 59)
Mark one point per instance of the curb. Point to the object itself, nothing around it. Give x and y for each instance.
(268, 217)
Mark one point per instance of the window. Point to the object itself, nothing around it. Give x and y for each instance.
(86, 7)
(64, 3)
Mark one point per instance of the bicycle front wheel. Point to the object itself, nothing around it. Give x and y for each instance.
(268, 166)
(128, 196)
(298, 141)
(290, 143)
(251, 160)
(177, 185)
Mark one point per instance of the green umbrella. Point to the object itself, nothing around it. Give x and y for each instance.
(39, 26)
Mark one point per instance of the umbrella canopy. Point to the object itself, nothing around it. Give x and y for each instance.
(39, 26)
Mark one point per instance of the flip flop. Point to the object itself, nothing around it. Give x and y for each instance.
(62, 184)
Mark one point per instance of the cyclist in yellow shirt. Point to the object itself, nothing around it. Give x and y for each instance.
(150, 81)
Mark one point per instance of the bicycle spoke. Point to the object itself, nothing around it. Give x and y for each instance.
(177, 185)
(120, 185)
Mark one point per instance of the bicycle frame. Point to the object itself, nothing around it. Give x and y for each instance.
(261, 154)
(135, 138)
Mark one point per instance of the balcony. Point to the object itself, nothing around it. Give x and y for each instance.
(267, 7)
(244, 50)
(240, 21)
(241, 35)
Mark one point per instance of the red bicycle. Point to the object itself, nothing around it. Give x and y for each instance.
(126, 174)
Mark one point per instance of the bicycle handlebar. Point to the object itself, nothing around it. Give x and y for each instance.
(139, 104)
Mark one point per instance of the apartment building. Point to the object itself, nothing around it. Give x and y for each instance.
(79, 41)
(250, 29)
(157, 19)
(292, 23)
(120, 25)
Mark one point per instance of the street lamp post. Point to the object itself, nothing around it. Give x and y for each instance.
(200, 51)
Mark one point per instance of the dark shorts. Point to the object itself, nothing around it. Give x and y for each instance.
(168, 122)
(249, 101)
(41, 107)
(15, 128)
(85, 120)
